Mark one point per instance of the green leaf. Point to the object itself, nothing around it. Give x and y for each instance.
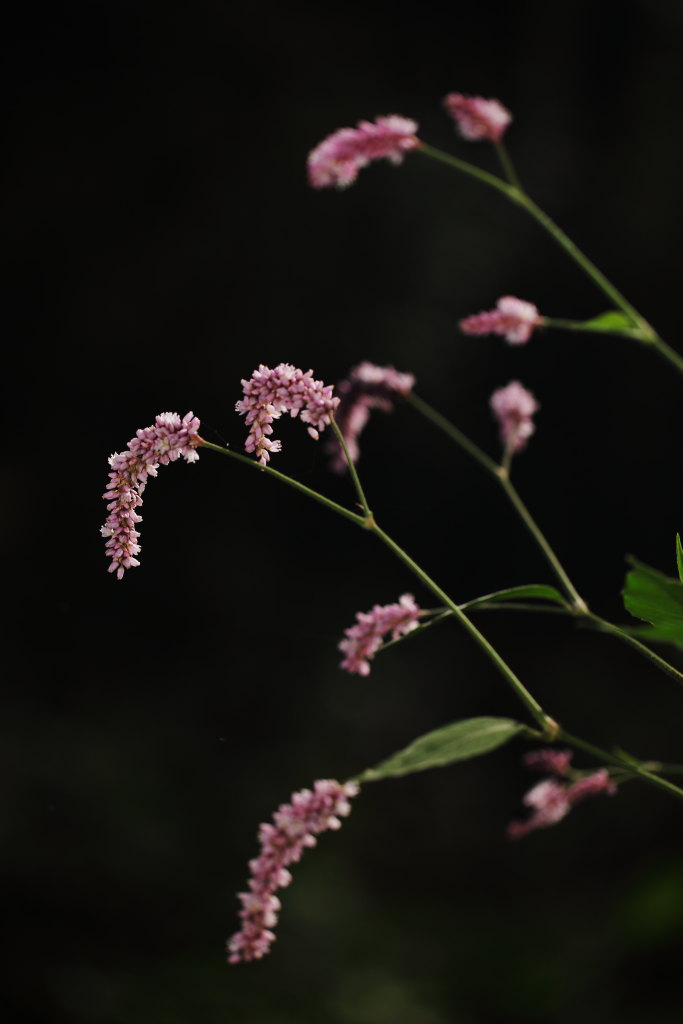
(458, 741)
(610, 321)
(539, 590)
(679, 556)
(655, 598)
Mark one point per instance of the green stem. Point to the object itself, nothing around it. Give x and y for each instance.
(516, 194)
(508, 166)
(609, 627)
(452, 431)
(588, 267)
(633, 768)
(503, 479)
(474, 172)
(352, 469)
(530, 703)
(308, 491)
(578, 325)
(535, 531)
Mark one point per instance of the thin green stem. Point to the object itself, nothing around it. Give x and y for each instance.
(634, 768)
(470, 169)
(609, 627)
(503, 478)
(530, 703)
(452, 431)
(643, 332)
(578, 325)
(588, 267)
(308, 491)
(508, 166)
(352, 469)
(539, 537)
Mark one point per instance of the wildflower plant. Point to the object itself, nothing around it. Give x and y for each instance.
(653, 600)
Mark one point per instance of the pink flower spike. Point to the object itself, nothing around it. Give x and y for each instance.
(513, 406)
(554, 762)
(268, 393)
(477, 118)
(551, 800)
(338, 158)
(165, 441)
(367, 387)
(295, 827)
(513, 319)
(363, 640)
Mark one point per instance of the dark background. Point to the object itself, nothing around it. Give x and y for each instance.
(161, 241)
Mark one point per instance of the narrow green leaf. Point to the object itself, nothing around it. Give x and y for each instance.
(655, 598)
(610, 321)
(458, 741)
(539, 590)
(679, 556)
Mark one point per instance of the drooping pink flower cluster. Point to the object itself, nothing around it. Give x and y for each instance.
(268, 393)
(477, 118)
(367, 387)
(169, 438)
(552, 799)
(513, 319)
(513, 406)
(363, 640)
(338, 158)
(294, 829)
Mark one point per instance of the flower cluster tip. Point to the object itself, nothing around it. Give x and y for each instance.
(168, 439)
(294, 828)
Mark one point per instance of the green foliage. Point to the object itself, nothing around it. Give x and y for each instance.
(458, 741)
(613, 320)
(655, 598)
(679, 556)
(538, 590)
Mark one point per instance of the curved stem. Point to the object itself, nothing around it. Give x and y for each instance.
(536, 532)
(577, 325)
(618, 762)
(470, 169)
(508, 166)
(530, 703)
(352, 469)
(503, 479)
(609, 627)
(515, 193)
(308, 491)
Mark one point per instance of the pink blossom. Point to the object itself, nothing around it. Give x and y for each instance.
(513, 406)
(513, 319)
(166, 441)
(551, 801)
(477, 118)
(295, 827)
(555, 762)
(366, 636)
(269, 393)
(367, 387)
(338, 158)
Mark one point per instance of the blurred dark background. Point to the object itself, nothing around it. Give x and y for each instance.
(161, 241)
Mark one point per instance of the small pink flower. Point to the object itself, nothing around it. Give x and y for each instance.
(513, 319)
(367, 387)
(477, 118)
(513, 406)
(338, 158)
(555, 762)
(364, 638)
(551, 801)
(294, 829)
(268, 393)
(167, 440)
